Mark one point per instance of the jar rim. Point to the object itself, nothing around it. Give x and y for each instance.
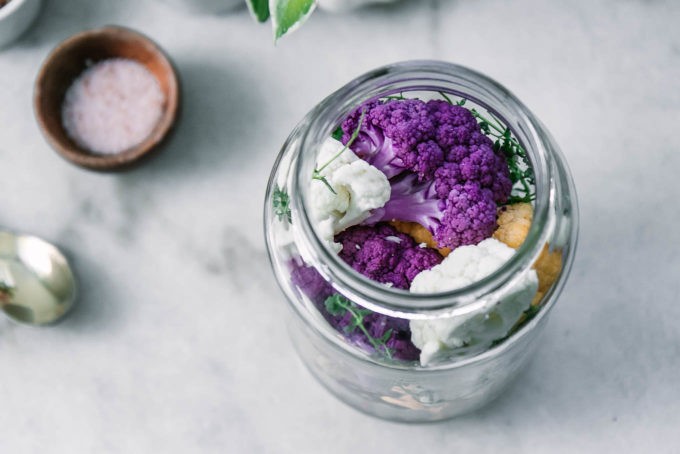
(425, 75)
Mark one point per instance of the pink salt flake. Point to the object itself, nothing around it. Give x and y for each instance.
(112, 106)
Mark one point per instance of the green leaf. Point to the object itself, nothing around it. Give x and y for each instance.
(288, 15)
(317, 176)
(363, 312)
(281, 204)
(338, 133)
(386, 336)
(259, 9)
(336, 304)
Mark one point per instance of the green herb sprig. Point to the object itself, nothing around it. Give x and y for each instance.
(516, 156)
(316, 175)
(399, 97)
(281, 204)
(339, 306)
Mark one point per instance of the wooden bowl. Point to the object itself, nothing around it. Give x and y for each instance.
(69, 59)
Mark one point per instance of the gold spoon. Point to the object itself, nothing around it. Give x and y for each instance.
(37, 286)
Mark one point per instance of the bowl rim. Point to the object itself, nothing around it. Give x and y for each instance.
(117, 161)
(10, 8)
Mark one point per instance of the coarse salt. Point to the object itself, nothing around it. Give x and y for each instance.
(112, 106)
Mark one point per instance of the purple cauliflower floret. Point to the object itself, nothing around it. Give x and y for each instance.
(455, 125)
(396, 136)
(456, 214)
(383, 254)
(470, 216)
(444, 172)
(308, 280)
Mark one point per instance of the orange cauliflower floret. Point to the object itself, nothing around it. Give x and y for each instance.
(548, 267)
(420, 234)
(513, 225)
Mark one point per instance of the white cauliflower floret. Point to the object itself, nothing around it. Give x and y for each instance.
(359, 188)
(368, 189)
(465, 265)
(329, 149)
(325, 204)
(324, 229)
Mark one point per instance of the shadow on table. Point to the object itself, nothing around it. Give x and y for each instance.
(59, 19)
(217, 129)
(219, 114)
(94, 309)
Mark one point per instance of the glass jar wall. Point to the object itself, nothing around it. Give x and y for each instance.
(362, 339)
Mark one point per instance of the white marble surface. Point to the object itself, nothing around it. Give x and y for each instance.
(176, 345)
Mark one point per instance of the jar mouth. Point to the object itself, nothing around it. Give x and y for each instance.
(425, 76)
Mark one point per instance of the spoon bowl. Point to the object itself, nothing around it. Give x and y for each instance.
(37, 286)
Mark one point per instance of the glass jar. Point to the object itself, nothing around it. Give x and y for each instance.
(308, 272)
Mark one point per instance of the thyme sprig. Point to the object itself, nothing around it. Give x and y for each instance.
(316, 175)
(459, 103)
(339, 306)
(516, 156)
(281, 204)
(399, 97)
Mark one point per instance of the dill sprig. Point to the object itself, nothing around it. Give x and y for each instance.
(516, 156)
(316, 175)
(281, 204)
(339, 306)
